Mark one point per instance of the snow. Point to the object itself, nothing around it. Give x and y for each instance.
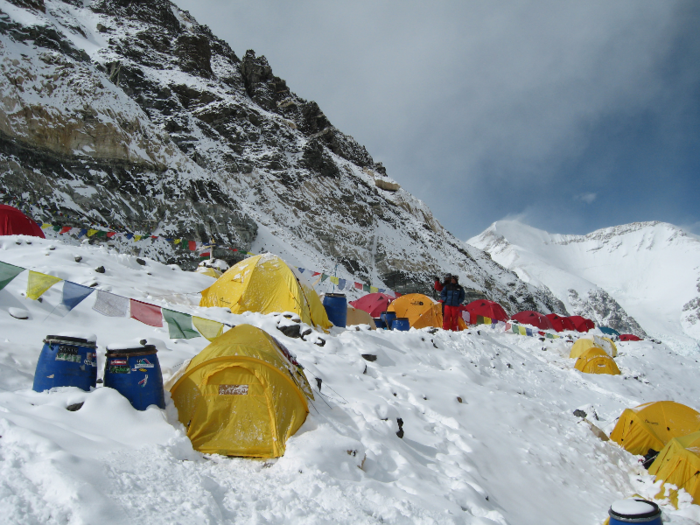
(651, 269)
(489, 431)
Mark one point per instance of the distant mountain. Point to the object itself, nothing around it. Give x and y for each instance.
(642, 278)
(129, 114)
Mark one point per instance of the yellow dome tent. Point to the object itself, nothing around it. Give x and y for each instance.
(596, 361)
(593, 341)
(242, 395)
(653, 425)
(679, 464)
(265, 284)
(357, 316)
(420, 310)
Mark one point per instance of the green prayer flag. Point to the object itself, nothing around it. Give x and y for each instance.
(179, 325)
(365, 287)
(324, 277)
(7, 273)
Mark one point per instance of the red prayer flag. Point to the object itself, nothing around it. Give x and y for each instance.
(65, 229)
(317, 273)
(111, 234)
(358, 286)
(149, 314)
(192, 245)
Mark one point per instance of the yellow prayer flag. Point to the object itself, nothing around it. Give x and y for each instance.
(522, 330)
(208, 328)
(46, 225)
(177, 241)
(137, 237)
(90, 233)
(487, 320)
(335, 280)
(38, 283)
(373, 289)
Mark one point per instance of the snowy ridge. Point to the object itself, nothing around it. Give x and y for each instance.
(489, 431)
(644, 274)
(132, 116)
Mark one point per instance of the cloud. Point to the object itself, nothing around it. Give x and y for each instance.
(510, 97)
(588, 198)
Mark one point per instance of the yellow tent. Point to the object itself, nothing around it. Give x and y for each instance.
(420, 310)
(356, 316)
(242, 395)
(265, 284)
(653, 425)
(596, 361)
(593, 341)
(679, 464)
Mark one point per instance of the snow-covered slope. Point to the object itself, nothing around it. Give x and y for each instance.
(490, 436)
(129, 116)
(647, 271)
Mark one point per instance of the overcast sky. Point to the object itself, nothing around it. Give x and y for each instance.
(570, 115)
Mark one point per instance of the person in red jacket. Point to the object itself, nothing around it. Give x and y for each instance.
(440, 285)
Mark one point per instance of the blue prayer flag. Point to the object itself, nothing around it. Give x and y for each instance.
(74, 294)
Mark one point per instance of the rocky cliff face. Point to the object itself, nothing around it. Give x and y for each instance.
(129, 114)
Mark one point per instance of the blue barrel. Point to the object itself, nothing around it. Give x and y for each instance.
(135, 373)
(401, 324)
(388, 318)
(379, 323)
(66, 361)
(635, 511)
(336, 306)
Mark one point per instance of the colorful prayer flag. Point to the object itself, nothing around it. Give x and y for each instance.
(208, 328)
(358, 286)
(179, 325)
(341, 283)
(373, 289)
(7, 273)
(91, 232)
(74, 294)
(334, 280)
(111, 305)
(324, 277)
(38, 283)
(149, 314)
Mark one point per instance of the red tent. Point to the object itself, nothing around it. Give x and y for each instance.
(560, 323)
(486, 308)
(374, 303)
(534, 319)
(14, 222)
(581, 323)
(629, 337)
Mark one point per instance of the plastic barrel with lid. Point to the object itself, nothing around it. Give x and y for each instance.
(67, 359)
(401, 324)
(379, 323)
(134, 371)
(336, 306)
(627, 511)
(388, 318)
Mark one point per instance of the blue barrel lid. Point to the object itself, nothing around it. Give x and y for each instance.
(131, 348)
(634, 508)
(74, 338)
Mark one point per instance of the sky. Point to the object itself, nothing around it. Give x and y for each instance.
(569, 116)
